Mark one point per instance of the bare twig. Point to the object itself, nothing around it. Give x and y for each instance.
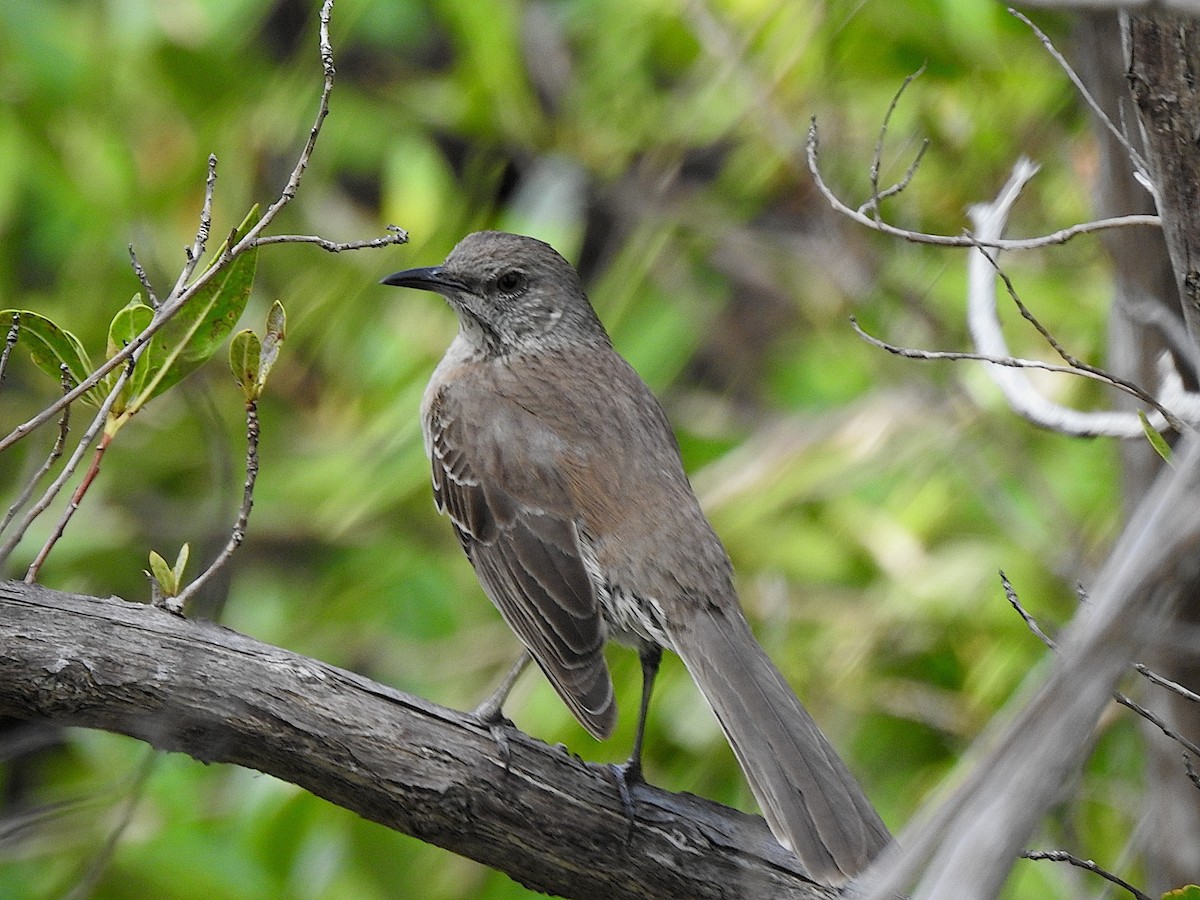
(60, 442)
(68, 470)
(397, 236)
(964, 240)
(1155, 678)
(1030, 621)
(293, 182)
(10, 341)
(176, 603)
(1089, 865)
(143, 280)
(992, 348)
(1011, 362)
(1156, 721)
(200, 242)
(903, 182)
(1136, 158)
(876, 160)
(1191, 771)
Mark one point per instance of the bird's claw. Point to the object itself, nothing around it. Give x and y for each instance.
(625, 775)
(498, 725)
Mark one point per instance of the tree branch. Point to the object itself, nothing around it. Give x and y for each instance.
(963, 846)
(550, 820)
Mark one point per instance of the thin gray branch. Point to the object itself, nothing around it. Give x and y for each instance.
(1011, 362)
(1030, 622)
(1139, 162)
(397, 235)
(1087, 865)
(143, 279)
(1157, 679)
(1157, 721)
(876, 161)
(1123, 699)
(177, 603)
(200, 242)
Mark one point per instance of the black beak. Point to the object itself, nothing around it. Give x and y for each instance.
(430, 278)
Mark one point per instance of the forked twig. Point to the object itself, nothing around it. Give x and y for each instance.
(963, 240)
(877, 160)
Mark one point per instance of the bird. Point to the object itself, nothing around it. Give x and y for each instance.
(564, 483)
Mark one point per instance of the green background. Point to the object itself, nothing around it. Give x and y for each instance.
(867, 501)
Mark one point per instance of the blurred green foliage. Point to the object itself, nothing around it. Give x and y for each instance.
(867, 502)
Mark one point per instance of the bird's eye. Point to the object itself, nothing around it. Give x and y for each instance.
(511, 282)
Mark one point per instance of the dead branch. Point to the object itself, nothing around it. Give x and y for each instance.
(548, 819)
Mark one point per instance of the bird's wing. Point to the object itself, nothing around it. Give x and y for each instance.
(514, 518)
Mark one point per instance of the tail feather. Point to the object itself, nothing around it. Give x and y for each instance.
(812, 803)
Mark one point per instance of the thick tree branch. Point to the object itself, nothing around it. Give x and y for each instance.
(550, 821)
(1163, 51)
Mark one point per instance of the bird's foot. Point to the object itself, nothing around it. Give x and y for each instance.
(489, 714)
(626, 775)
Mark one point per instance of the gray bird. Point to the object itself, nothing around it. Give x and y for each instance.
(564, 482)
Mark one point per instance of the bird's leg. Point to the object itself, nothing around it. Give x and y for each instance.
(631, 770)
(650, 656)
(490, 711)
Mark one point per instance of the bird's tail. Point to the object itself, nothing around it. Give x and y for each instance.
(812, 803)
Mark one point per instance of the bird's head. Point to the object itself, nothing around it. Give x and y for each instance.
(513, 294)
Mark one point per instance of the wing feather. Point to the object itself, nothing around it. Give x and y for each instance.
(519, 534)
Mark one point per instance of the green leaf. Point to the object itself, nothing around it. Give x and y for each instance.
(181, 562)
(162, 573)
(1157, 441)
(196, 331)
(52, 347)
(273, 339)
(130, 321)
(1188, 892)
(245, 351)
